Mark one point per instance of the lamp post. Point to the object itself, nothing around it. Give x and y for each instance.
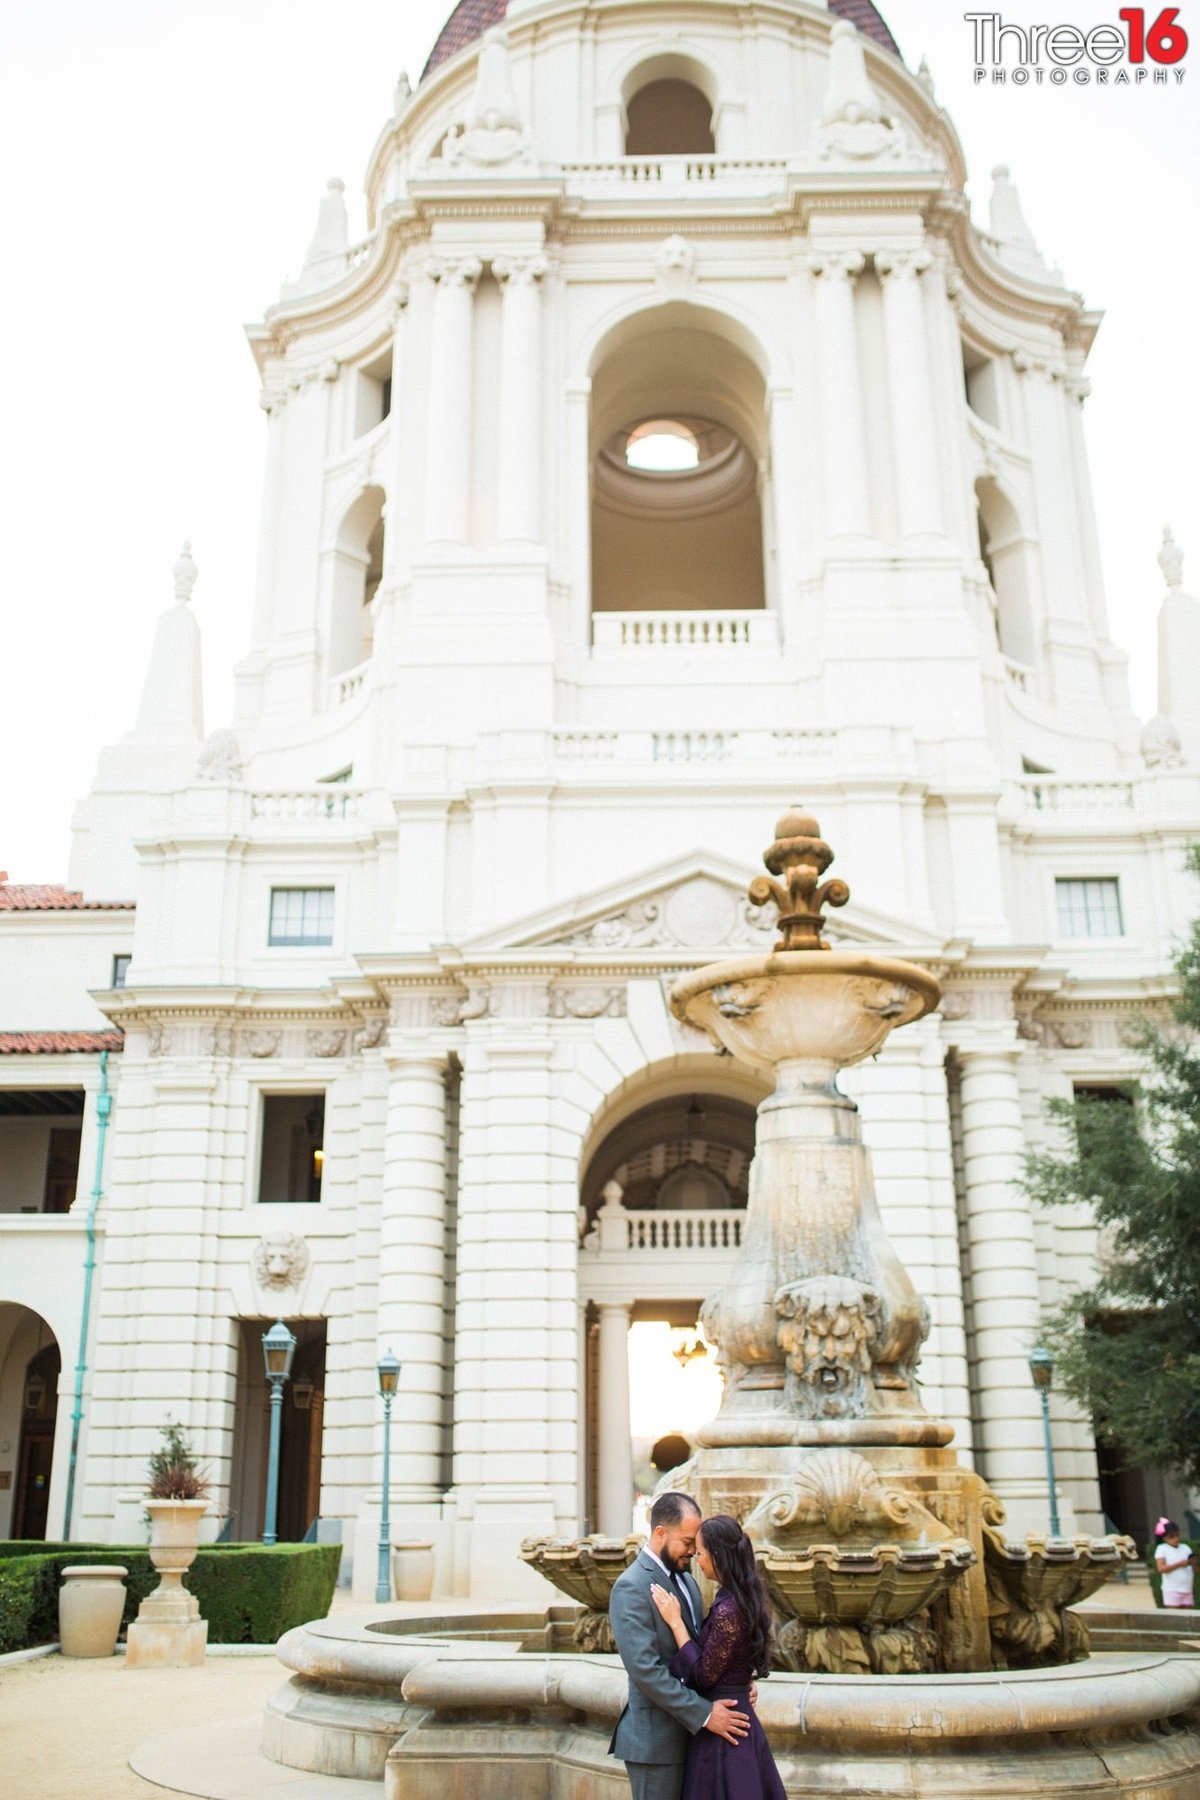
(1041, 1367)
(279, 1346)
(388, 1371)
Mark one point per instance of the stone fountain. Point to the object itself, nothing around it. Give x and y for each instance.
(880, 1551)
(927, 1653)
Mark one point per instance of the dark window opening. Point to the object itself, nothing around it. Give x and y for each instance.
(40, 1134)
(293, 1149)
(120, 970)
(669, 118)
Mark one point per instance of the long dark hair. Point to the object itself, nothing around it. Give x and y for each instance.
(733, 1558)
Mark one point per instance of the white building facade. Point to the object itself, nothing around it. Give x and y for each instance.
(356, 1008)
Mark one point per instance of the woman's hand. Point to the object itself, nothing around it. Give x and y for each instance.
(668, 1605)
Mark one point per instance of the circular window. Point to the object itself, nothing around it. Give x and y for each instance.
(663, 446)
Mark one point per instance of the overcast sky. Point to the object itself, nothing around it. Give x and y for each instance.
(163, 161)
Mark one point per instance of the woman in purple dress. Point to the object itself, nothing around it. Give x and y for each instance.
(733, 1648)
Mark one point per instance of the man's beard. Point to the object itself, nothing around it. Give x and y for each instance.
(677, 1564)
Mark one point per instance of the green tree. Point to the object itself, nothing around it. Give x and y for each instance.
(1127, 1347)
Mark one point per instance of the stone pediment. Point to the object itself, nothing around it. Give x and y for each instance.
(694, 903)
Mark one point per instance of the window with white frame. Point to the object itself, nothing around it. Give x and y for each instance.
(301, 917)
(1089, 907)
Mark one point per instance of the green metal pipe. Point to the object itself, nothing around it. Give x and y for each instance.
(103, 1109)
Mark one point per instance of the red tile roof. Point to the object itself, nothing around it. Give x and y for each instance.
(55, 1043)
(471, 18)
(45, 897)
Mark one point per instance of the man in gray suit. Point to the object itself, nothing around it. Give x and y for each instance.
(652, 1733)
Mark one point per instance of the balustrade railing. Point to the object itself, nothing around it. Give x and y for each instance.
(332, 802)
(803, 745)
(713, 630)
(346, 685)
(620, 1231)
(748, 174)
(1062, 793)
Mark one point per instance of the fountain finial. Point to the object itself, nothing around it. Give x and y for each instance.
(800, 856)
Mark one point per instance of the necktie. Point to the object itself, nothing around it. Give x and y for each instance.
(685, 1601)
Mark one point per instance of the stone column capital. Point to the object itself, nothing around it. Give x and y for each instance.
(456, 271)
(402, 1056)
(901, 264)
(996, 1040)
(840, 264)
(519, 271)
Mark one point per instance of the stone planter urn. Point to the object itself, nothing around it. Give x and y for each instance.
(412, 1569)
(168, 1632)
(90, 1604)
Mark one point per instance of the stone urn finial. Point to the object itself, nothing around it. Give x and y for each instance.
(799, 857)
(1170, 559)
(185, 573)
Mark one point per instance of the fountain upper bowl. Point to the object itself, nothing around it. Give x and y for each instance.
(825, 1006)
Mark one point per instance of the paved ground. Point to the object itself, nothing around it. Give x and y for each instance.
(67, 1727)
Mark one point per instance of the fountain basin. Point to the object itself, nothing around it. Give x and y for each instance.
(827, 1584)
(828, 1008)
(418, 1705)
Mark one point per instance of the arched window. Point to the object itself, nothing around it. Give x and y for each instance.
(1004, 553)
(669, 118)
(678, 436)
(357, 569)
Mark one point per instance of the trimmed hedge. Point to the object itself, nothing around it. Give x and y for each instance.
(248, 1593)
(1193, 1545)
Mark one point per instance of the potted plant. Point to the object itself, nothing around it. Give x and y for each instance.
(176, 1500)
(168, 1630)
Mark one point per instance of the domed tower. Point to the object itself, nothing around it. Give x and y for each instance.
(673, 448)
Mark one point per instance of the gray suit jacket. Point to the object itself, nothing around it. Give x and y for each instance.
(661, 1713)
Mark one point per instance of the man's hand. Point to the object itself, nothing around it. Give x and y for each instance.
(754, 1695)
(725, 1721)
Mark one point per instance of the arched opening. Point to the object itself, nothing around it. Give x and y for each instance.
(669, 118)
(30, 1370)
(678, 437)
(1004, 553)
(980, 384)
(357, 569)
(664, 1190)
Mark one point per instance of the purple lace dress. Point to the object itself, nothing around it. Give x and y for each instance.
(717, 1665)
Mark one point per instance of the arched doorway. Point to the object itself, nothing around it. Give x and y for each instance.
(663, 1194)
(30, 1371)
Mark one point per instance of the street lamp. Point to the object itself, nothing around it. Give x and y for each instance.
(1041, 1367)
(279, 1346)
(388, 1371)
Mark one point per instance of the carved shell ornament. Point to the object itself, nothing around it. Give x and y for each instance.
(836, 1489)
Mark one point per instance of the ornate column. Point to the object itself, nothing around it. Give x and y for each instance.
(519, 479)
(914, 456)
(274, 404)
(1006, 1316)
(448, 444)
(516, 1399)
(614, 1483)
(412, 1272)
(844, 451)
